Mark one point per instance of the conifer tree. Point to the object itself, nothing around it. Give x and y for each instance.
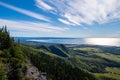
(5, 40)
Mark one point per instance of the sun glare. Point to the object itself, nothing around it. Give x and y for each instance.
(102, 41)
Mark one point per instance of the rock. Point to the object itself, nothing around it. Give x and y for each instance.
(33, 73)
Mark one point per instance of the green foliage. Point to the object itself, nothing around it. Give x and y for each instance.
(92, 58)
(12, 56)
(59, 50)
(98, 60)
(5, 40)
(112, 74)
(58, 61)
(17, 63)
(3, 75)
(5, 54)
(57, 70)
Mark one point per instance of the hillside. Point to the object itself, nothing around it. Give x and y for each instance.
(101, 61)
(17, 61)
(20, 61)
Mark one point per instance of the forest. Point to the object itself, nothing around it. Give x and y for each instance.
(57, 61)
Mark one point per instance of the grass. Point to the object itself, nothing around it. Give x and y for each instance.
(40, 51)
(113, 70)
(113, 74)
(98, 52)
(109, 56)
(90, 49)
(109, 76)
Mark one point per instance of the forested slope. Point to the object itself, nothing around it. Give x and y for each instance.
(14, 60)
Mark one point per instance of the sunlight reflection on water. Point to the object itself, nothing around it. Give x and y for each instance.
(91, 41)
(103, 41)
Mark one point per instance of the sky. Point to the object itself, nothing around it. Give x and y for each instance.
(61, 18)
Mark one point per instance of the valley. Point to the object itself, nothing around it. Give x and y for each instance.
(48, 61)
(98, 60)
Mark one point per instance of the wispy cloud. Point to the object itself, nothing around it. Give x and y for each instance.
(26, 27)
(65, 21)
(43, 5)
(26, 12)
(86, 11)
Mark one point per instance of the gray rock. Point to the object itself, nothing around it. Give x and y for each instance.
(33, 73)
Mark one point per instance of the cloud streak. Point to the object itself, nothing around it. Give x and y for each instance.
(85, 11)
(25, 12)
(43, 5)
(26, 27)
(65, 21)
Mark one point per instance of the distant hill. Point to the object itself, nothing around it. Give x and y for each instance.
(60, 49)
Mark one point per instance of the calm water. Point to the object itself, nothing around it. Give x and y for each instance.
(93, 41)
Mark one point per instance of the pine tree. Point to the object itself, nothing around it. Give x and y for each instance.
(5, 40)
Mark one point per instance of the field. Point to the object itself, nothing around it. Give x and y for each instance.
(113, 73)
(96, 56)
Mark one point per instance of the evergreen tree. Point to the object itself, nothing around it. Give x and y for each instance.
(5, 40)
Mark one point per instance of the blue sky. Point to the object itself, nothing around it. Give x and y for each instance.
(61, 18)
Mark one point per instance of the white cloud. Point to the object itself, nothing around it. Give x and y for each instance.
(26, 12)
(29, 28)
(43, 5)
(72, 18)
(87, 11)
(65, 21)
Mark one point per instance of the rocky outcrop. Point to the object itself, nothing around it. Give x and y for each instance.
(33, 74)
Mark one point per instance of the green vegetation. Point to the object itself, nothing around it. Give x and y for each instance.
(59, 62)
(59, 50)
(2, 72)
(101, 62)
(110, 56)
(14, 59)
(91, 59)
(55, 66)
(5, 40)
(90, 49)
(112, 74)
